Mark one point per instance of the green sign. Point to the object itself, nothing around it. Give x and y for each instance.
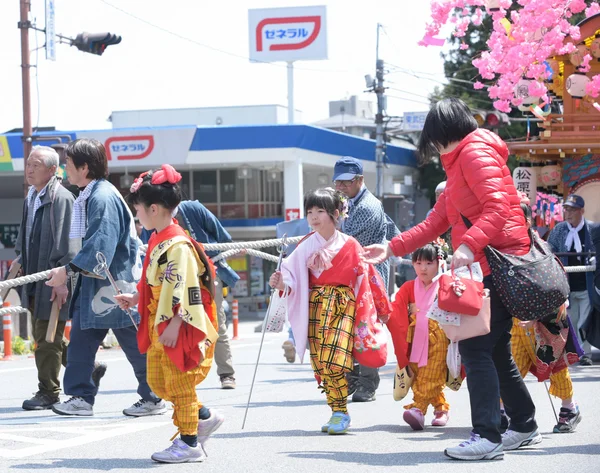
(8, 235)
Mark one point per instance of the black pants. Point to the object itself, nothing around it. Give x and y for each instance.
(492, 373)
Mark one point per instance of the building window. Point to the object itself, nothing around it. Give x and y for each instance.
(205, 186)
(232, 188)
(229, 197)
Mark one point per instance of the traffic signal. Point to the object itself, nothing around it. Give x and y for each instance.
(491, 119)
(95, 43)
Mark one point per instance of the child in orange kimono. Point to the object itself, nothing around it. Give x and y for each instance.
(178, 327)
(413, 332)
(333, 292)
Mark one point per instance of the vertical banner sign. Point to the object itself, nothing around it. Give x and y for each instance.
(287, 34)
(526, 182)
(50, 31)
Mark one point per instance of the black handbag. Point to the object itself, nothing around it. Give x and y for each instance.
(530, 286)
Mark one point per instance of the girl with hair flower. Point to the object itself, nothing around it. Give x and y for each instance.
(178, 326)
(335, 296)
(420, 344)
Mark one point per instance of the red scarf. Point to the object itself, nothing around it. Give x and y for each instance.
(186, 354)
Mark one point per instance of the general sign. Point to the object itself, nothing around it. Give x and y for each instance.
(287, 34)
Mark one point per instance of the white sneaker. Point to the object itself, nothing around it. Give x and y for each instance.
(208, 426)
(146, 408)
(476, 448)
(179, 452)
(513, 440)
(75, 406)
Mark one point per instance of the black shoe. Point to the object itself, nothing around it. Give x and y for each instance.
(504, 421)
(363, 395)
(352, 379)
(98, 373)
(585, 360)
(40, 402)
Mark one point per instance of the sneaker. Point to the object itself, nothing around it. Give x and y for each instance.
(289, 351)
(586, 360)
(146, 408)
(504, 421)
(363, 394)
(98, 373)
(228, 382)
(512, 439)
(40, 401)
(476, 448)
(440, 418)
(339, 423)
(415, 418)
(179, 452)
(567, 420)
(76, 406)
(207, 426)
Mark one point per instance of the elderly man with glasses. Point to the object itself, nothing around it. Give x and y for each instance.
(369, 224)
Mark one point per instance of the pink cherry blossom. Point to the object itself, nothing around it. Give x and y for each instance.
(519, 44)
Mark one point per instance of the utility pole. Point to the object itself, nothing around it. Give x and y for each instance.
(379, 132)
(24, 26)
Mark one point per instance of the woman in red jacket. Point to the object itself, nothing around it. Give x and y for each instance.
(479, 187)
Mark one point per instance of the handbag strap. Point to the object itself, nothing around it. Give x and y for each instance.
(467, 222)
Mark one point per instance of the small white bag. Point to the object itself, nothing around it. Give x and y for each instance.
(276, 313)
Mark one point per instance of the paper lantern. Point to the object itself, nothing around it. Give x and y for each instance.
(576, 84)
(526, 181)
(576, 57)
(551, 175)
(522, 92)
(595, 47)
(492, 5)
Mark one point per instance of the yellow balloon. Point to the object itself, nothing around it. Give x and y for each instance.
(507, 25)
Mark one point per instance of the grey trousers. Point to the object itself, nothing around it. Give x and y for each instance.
(579, 310)
(223, 357)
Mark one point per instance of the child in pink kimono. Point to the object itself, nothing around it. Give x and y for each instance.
(419, 342)
(328, 285)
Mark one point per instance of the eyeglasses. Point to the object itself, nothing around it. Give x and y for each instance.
(569, 209)
(346, 183)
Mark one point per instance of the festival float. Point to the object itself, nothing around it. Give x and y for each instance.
(549, 68)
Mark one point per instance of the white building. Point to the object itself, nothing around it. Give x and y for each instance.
(250, 176)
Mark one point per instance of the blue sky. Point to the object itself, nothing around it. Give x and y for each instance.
(154, 69)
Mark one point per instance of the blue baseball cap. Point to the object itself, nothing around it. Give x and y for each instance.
(347, 168)
(574, 201)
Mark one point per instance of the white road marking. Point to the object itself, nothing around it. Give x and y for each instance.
(84, 436)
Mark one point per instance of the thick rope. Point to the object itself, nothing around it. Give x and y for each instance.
(260, 254)
(242, 245)
(25, 279)
(11, 310)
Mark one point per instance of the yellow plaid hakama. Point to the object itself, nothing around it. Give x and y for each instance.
(523, 351)
(430, 380)
(330, 339)
(171, 384)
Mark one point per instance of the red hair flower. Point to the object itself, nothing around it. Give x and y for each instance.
(166, 173)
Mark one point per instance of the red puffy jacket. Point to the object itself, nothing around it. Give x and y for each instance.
(480, 187)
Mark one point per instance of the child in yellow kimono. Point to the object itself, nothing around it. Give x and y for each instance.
(178, 327)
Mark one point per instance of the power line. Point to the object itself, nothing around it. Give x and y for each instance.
(218, 50)
(408, 100)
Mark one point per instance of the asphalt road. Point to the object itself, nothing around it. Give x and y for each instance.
(282, 432)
